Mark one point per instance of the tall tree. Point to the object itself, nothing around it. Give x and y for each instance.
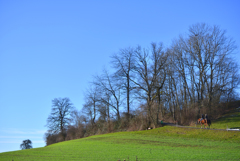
(124, 62)
(148, 69)
(59, 118)
(111, 90)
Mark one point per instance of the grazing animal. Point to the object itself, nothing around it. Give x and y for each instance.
(204, 122)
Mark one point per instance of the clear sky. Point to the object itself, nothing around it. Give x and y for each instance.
(52, 48)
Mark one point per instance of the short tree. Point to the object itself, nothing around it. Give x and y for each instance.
(59, 119)
(26, 144)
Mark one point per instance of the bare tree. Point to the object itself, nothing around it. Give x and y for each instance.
(195, 74)
(202, 61)
(103, 106)
(124, 63)
(59, 119)
(148, 69)
(77, 118)
(112, 91)
(77, 128)
(92, 97)
(26, 144)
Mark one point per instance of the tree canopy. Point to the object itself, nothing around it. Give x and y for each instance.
(26, 144)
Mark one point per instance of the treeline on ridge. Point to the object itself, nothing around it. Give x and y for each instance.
(197, 74)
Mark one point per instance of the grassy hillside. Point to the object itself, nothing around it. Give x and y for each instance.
(230, 120)
(165, 143)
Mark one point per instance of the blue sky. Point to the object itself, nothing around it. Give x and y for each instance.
(51, 49)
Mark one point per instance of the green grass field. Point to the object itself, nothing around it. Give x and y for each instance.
(164, 143)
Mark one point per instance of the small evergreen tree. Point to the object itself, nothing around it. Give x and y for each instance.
(26, 144)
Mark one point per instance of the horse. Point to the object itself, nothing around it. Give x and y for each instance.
(206, 123)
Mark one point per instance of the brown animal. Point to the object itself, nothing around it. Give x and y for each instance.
(204, 122)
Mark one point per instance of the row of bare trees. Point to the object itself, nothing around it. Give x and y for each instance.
(204, 67)
(192, 76)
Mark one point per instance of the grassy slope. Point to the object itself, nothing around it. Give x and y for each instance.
(230, 120)
(165, 143)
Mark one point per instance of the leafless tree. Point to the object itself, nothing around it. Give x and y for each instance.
(77, 128)
(92, 97)
(195, 74)
(203, 61)
(103, 107)
(124, 63)
(77, 118)
(59, 119)
(148, 69)
(111, 92)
